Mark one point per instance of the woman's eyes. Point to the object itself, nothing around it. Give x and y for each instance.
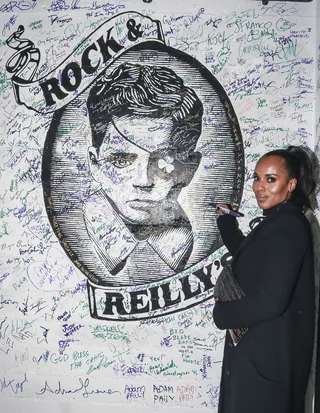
(270, 180)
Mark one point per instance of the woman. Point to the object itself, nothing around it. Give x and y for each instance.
(268, 370)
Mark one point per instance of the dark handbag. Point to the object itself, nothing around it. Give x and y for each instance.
(228, 289)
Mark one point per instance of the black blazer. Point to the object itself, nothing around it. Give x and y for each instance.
(268, 371)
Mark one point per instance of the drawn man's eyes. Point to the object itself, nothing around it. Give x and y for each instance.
(121, 163)
(121, 160)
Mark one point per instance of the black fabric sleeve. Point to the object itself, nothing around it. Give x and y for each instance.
(231, 235)
(279, 252)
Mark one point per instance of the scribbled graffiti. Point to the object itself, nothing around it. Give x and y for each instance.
(122, 125)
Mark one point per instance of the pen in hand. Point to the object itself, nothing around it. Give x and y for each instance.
(230, 212)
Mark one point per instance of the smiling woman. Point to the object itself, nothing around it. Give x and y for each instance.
(268, 370)
(281, 175)
(271, 182)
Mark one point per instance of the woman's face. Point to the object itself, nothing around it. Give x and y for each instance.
(271, 183)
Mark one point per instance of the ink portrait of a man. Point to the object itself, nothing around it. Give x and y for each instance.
(145, 125)
(132, 170)
(142, 144)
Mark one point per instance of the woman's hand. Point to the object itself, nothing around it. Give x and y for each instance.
(219, 211)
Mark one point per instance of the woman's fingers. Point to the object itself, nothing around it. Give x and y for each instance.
(219, 210)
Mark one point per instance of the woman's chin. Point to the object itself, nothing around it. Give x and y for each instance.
(263, 203)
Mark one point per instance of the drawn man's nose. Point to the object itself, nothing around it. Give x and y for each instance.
(144, 175)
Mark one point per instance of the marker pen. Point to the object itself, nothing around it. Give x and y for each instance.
(228, 211)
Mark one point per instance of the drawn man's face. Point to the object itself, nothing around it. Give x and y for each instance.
(138, 171)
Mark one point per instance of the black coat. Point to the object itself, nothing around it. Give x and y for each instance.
(268, 371)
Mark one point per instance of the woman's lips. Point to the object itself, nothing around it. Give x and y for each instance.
(261, 198)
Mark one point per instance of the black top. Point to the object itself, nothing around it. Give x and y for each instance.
(268, 370)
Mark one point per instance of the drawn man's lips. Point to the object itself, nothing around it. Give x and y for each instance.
(142, 203)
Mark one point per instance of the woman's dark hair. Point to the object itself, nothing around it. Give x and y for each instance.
(299, 164)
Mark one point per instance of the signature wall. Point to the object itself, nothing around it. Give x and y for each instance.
(122, 125)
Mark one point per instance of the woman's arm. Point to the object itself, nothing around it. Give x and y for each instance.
(279, 252)
(231, 235)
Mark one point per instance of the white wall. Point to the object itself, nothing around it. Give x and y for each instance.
(267, 60)
(310, 399)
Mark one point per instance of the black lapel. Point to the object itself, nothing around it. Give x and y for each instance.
(248, 240)
(284, 208)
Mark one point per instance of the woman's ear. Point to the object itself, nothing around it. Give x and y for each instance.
(292, 184)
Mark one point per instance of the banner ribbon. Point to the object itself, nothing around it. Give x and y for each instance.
(64, 83)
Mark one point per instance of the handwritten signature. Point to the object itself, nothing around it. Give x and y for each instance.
(13, 385)
(83, 389)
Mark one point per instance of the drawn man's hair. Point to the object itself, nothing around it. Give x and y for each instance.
(151, 91)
